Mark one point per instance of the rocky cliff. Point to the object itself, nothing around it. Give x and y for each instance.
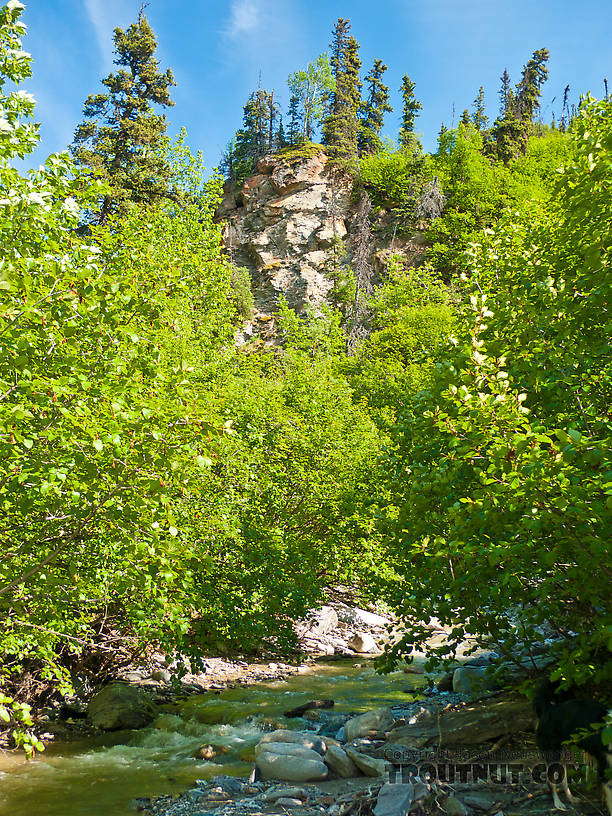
(290, 223)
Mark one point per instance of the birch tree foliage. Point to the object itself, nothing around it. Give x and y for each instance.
(313, 87)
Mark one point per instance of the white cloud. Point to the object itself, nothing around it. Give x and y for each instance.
(102, 29)
(104, 16)
(245, 18)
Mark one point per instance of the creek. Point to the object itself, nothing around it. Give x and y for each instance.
(100, 776)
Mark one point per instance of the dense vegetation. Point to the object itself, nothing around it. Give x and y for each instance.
(160, 485)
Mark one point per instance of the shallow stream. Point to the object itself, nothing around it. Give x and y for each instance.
(101, 776)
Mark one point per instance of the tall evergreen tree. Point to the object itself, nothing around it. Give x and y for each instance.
(465, 118)
(565, 110)
(340, 128)
(121, 134)
(281, 139)
(479, 117)
(505, 93)
(528, 90)
(373, 109)
(295, 120)
(256, 137)
(410, 111)
(511, 130)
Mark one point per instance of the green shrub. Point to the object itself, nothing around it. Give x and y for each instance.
(241, 285)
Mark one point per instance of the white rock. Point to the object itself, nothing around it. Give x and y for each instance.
(278, 793)
(370, 618)
(287, 749)
(363, 643)
(291, 768)
(312, 741)
(327, 620)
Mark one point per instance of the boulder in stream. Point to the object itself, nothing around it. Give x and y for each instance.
(299, 711)
(119, 705)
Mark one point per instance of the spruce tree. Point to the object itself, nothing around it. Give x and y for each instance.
(121, 134)
(373, 110)
(527, 98)
(280, 141)
(254, 139)
(565, 110)
(505, 93)
(410, 111)
(295, 121)
(511, 130)
(340, 128)
(479, 117)
(465, 118)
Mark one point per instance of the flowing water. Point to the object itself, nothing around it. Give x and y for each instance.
(100, 776)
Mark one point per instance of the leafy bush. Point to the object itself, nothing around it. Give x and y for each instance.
(97, 444)
(243, 294)
(393, 178)
(501, 471)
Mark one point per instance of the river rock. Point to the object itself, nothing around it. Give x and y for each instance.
(280, 793)
(229, 784)
(161, 675)
(397, 798)
(372, 723)
(299, 711)
(327, 620)
(287, 749)
(455, 807)
(472, 680)
(291, 767)
(366, 618)
(340, 763)
(120, 706)
(311, 741)
(445, 683)
(363, 643)
(367, 765)
(470, 725)
(286, 801)
(208, 751)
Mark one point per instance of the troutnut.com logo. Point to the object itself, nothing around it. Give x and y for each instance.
(467, 766)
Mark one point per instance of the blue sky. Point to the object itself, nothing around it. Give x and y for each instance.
(217, 49)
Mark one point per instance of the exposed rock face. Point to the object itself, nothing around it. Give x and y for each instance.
(281, 224)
